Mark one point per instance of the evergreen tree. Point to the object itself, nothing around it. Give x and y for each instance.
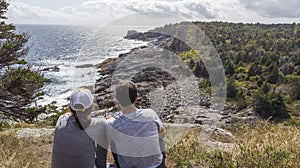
(19, 86)
(296, 90)
(230, 68)
(271, 105)
(274, 75)
(200, 70)
(231, 89)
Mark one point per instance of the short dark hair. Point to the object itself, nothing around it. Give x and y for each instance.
(126, 93)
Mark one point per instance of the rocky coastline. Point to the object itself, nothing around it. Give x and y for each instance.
(150, 79)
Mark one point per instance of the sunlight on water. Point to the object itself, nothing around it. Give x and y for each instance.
(61, 47)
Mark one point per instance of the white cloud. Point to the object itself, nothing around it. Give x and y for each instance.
(104, 11)
(274, 8)
(19, 12)
(182, 8)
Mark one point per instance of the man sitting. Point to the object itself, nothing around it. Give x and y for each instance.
(135, 137)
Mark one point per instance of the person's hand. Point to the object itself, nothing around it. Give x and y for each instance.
(109, 118)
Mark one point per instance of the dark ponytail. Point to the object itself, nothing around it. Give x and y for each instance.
(76, 119)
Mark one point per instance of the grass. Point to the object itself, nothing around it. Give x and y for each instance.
(25, 152)
(262, 145)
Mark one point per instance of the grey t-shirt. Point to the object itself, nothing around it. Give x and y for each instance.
(135, 139)
(76, 148)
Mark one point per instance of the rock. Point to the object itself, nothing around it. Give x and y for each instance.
(100, 89)
(157, 88)
(44, 116)
(222, 132)
(233, 120)
(213, 145)
(205, 103)
(35, 132)
(200, 119)
(130, 33)
(51, 69)
(84, 66)
(171, 116)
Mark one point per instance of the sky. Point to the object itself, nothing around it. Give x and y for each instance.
(100, 12)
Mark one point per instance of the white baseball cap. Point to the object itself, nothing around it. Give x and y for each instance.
(81, 99)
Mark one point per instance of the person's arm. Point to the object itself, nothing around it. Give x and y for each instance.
(101, 156)
(115, 155)
(101, 145)
(110, 141)
(162, 132)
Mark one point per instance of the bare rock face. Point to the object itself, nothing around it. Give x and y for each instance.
(131, 33)
(147, 80)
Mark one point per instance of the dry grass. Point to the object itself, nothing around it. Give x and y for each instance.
(263, 145)
(25, 152)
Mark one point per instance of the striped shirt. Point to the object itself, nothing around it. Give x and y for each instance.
(134, 138)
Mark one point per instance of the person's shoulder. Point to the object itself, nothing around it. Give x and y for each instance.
(147, 115)
(63, 120)
(98, 122)
(114, 121)
(148, 112)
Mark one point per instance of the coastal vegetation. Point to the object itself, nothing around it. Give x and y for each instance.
(20, 85)
(261, 63)
(262, 66)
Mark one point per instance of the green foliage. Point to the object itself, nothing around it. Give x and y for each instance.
(193, 60)
(252, 54)
(21, 85)
(22, 62)
(235, 94)
(274, 76)
(232, 90)
(254, 70)
(271, 105)
(241, 101)
(23, 82)
(33, 112)
(229, 68)
(296, 90)
(295, 84)
(204, 83)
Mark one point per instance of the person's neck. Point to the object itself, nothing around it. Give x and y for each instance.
(128, 109)
(84, 119)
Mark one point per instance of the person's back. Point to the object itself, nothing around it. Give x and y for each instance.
(134, 138)
(76, 135)
(73, 147)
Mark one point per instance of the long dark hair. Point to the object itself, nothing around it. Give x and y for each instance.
(76, 119)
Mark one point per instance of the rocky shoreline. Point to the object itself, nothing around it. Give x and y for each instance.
(152, 79)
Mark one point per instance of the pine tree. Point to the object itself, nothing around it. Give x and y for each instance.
(231, 89)
(274, 74)
(19, 85)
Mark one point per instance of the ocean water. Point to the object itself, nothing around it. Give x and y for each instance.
(75, 50)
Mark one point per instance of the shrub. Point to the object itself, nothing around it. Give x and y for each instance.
(271, 105)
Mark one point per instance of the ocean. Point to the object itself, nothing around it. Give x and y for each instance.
(68, 55)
